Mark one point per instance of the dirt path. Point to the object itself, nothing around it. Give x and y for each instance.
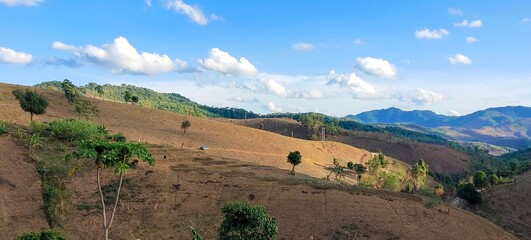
(20, 192)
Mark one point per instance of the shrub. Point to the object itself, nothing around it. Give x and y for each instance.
(119, 137)
(3, 128)
(480, 179)
(245, 221)
(469, 193)
(74, 130)
(44, 235)
(37, 127)
(427, 191)
(391, 181)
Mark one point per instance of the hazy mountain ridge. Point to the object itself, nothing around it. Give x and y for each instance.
(508, 126)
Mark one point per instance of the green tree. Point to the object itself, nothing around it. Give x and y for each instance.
(99, 90)
(469, 193)
(44, 235)
(135, 99)
(85, 108)
(480, 179)
(115, 155)
(374, 164)
(31, 101)
(294, 158)
(419, 173)
(185, 125)
(70, 91)
(358, 168)
(127, 96)
(494, 179)
(390, 181)
(243, 221)
(383, 160)
(337, 170)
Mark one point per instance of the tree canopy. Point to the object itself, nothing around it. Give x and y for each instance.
(243, 221)
(294, 158)
(31, 101)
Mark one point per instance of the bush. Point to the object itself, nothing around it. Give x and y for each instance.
(119, 137)
(245, 221)
(427, 191)
(391, 181)
(44, 235)
(74, 130)
(37, 127)
(3, 128)
(469, 193)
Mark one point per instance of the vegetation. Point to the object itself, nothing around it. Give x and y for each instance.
(185, 125)
(70, 90)
(134, 99)
(85, 108)
(294, 158)
(337, 170)
(244, 221)
(115, 155)
(419, 173)
(127, 96)
(3, 128)
(358, 168)
(74, 130)
(31, 101)
(43, 235)
(468, 192)
(481, 180)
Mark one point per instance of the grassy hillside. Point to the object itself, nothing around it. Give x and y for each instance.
(188, 186)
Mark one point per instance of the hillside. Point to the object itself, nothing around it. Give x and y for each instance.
(503, 126)
(189, 186)
(441, 159)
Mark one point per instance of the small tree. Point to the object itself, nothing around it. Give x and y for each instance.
(294, 158)
(115, 155)
(44, 235)
(99, 90)
(70, 91)
(480, 179)
(419, 172)
(127, 96)
(358, 168)
(135, 99)
(469, 193)
(185, 125)
(494, 179)
(383, 160)
(31, 101)
(337, 170)
(245, 221)
(85, 108)
(374, 164)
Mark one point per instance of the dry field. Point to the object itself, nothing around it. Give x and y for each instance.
(190, 186)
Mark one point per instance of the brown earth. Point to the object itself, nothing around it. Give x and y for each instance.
(190, 186)
(440, 158)
(20, 192)
(510, 205)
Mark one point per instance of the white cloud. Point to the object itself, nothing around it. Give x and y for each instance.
(359, 42)
(243, 100)
(455, 11)
(148, 3)
(421, 96)
(193, 12)
(273, 107)
(460, 58)
(224, 63)
(471, 39)
(303, 46)
(472, 24)
(376, 67)
(276, 88)
(122, 57)
(526, 20)
(27, 3)
(453, 113)
(431, 34)
(11, 56)
(356, 86)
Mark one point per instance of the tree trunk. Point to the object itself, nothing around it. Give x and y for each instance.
(31, 117)
(103, 206)
(293, 170)
(115, 203)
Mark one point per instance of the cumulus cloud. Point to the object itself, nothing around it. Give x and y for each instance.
(276, 88)
(376, 67)
(460, 58)
(10, 56)
(273, 107)
(303, 46)
(224, 63)
(455, 11)
(355, 85)
(243, 100)
(471, 39)
(122, 57)
(28, 3)
(472, 24)
(422, 97)
(431, 34)
(193, 12)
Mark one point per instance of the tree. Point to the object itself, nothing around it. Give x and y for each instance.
(374, 164)
(127, 96)
(382, 159)
(99, 90)
(85, 108)
(358, 168)
(480, 179)
(135, 99)
(31, 101)
(245, 221)
(115, 155)
(294, 158)
(70, 91)
(185, 125)
(44, 235)
(337, 170)
(494, 179)
(469, 193)
(419, 171)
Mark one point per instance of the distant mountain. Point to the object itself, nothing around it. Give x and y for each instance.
(504, 126)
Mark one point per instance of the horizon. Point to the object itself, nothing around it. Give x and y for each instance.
(452, 58)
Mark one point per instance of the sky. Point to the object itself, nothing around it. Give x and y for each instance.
(335, 57)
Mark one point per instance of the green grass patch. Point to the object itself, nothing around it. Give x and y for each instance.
(75, 130)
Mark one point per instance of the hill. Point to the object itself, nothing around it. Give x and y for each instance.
(504, 126)
(189, 186)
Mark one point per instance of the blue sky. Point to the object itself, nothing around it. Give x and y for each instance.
(334, 57)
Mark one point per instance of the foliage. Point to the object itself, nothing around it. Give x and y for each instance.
(34, 141)
(360, 169)
(127, 96)
(185, 125)
(416, 136)
(468, 192)
(337, 170)
(427, 191)
(439, 190)
(480, 179)
(294, 158)
(75, 130)
(313, 123)
(390, 181)
(195, 234)
(134, 99)
(493, 179)
(244, 221)
(419, 173)
(3, 128)
(48, 234)
(374, 164)
(118, 137)
(31, 101)
(85, 108)
(70, 90)
(229, 112)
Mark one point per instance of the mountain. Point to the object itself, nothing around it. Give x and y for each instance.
(504, 126)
